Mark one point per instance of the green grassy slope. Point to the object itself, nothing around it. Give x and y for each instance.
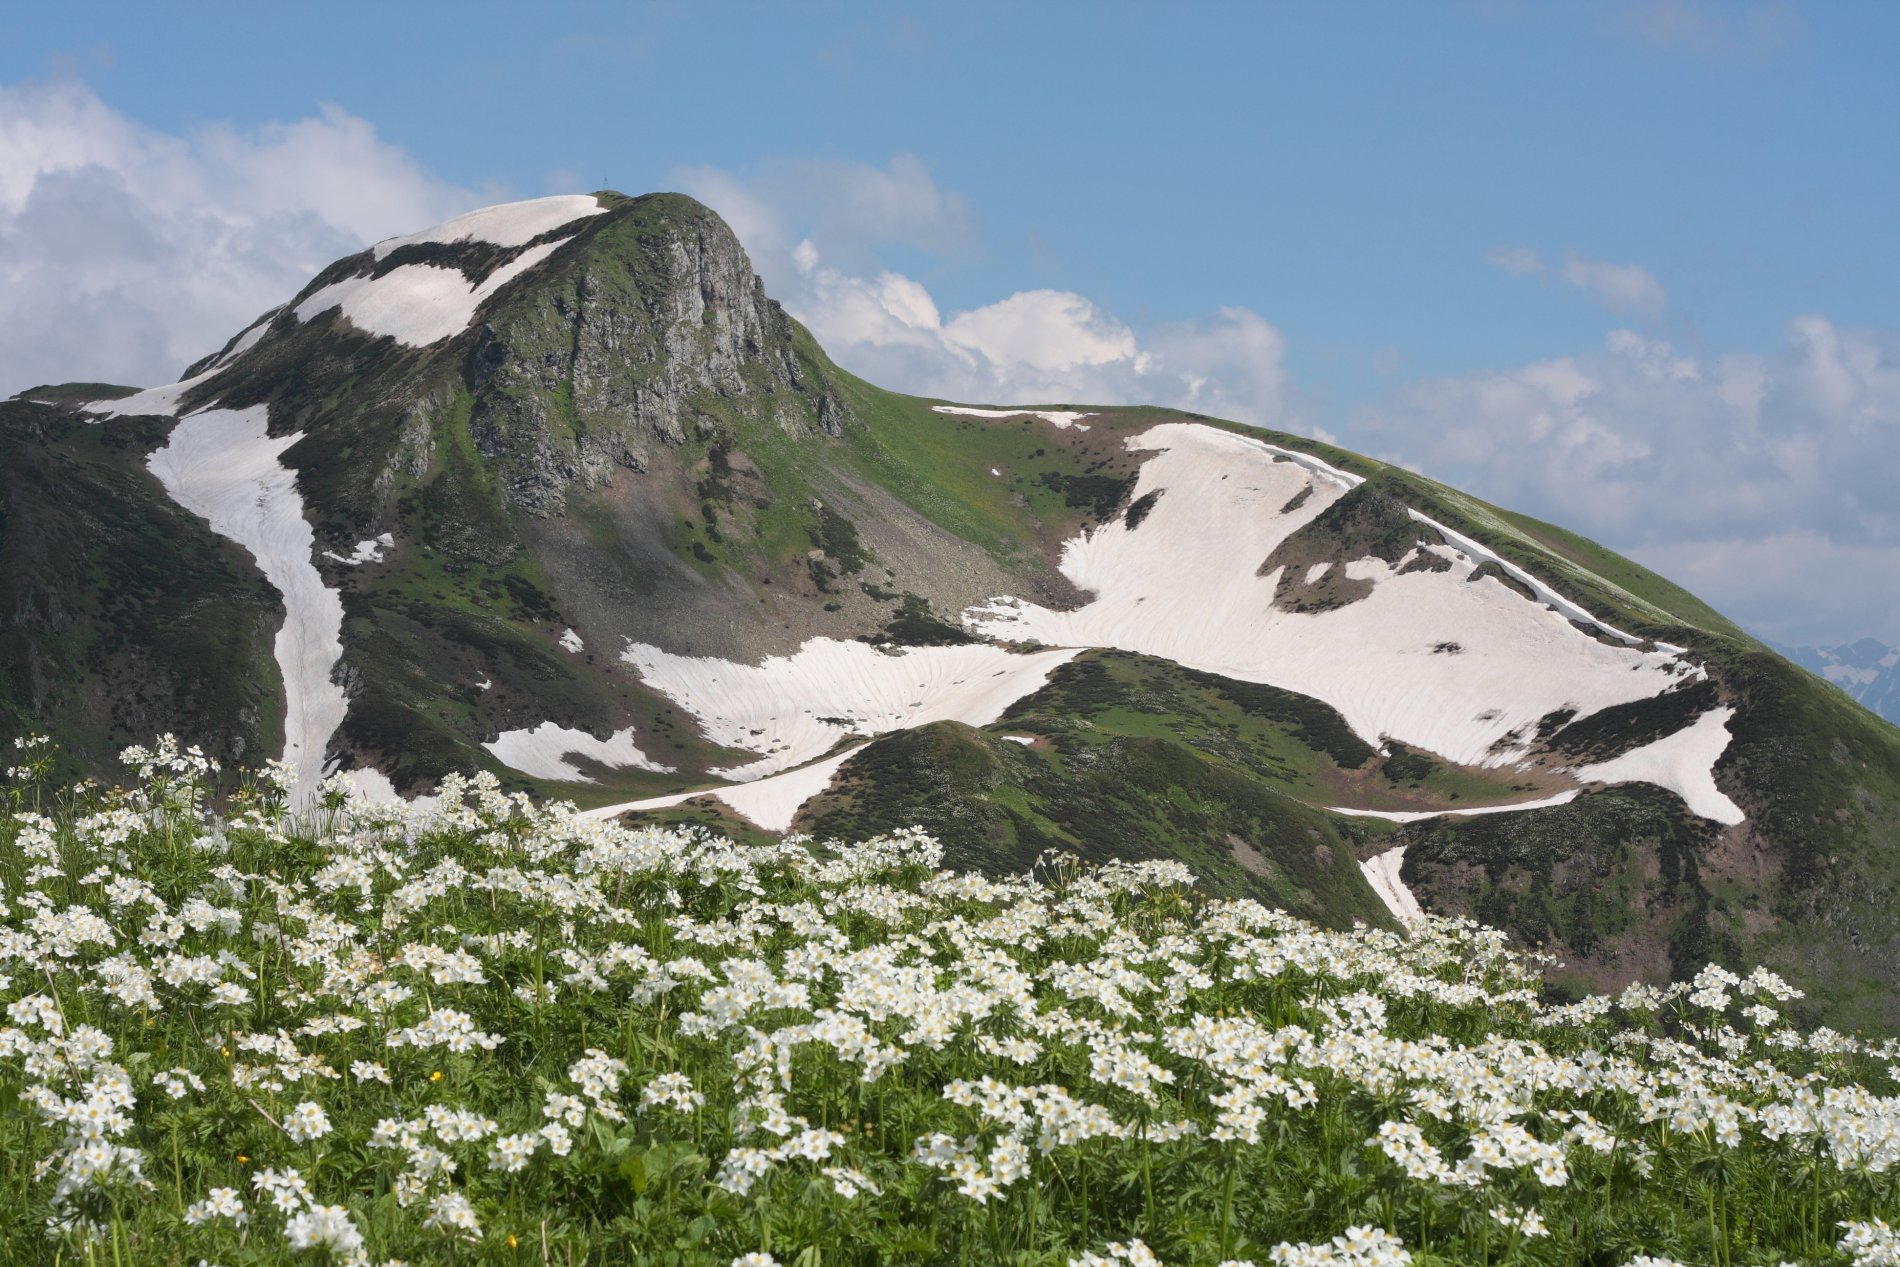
(1292, 743)
(997, 806)
(121, 614)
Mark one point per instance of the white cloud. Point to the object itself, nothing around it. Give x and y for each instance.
(813, 231)
(1045, 329)
(126, 253)
(1725, 472)
(1622, 287)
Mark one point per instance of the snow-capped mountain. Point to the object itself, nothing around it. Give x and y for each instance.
(1867, 670)
(556, 491)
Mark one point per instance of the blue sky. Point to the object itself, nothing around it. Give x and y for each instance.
(1630, 266)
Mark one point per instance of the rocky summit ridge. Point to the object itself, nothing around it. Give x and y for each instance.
(557, 491)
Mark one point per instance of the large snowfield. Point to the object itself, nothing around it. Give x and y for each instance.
(1182, 585)
(1460, 667)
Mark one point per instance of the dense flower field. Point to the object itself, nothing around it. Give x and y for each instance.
(490, 1031)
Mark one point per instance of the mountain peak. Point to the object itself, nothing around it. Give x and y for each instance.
(424, 288)
(568, 334)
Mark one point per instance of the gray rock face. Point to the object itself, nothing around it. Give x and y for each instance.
(655, 325)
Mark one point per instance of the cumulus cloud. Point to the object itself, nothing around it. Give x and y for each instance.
(1049, 330)
(126, 252)
(814, 231)
(1763, 482)
(1621, 287)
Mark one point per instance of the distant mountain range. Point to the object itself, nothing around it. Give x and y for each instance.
(1867, 670)
(556, 491)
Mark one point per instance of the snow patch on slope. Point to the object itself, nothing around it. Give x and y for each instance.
(370, 551)
(1683, 762)
(508, 224)
(1319, 468)
(1062, 419)
(1544, 593)
(1680, 762)
(248, 339)
(418, 304)
(1470, 547)
(1413, 816)
(546, 752)
(793, 709)
(224, 465)
(1184, 588)
(162, 401)
(1382, 873)
(771, 803)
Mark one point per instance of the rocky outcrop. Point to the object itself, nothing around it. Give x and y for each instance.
(652, 324)
(1367, 523)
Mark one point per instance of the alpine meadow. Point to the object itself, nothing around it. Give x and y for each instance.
(518, 757)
